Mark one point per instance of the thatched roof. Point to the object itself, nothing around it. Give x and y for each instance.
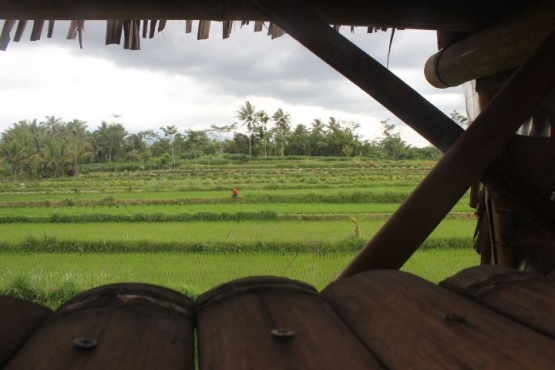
(131, 30)
(143, 18)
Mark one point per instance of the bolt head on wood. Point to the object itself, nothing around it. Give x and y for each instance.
(85, 343)
(282, 333)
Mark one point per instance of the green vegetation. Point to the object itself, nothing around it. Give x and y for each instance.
(53, 148)
(299, 217)
(54, 278)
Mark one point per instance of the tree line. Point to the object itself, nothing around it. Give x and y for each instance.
(54, 148)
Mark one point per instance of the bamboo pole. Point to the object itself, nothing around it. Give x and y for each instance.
(403, 101)
(503, 46)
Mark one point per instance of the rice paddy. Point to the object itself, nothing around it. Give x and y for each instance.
(182, 230)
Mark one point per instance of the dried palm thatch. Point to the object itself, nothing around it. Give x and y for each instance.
(503, 236)
(133, 30)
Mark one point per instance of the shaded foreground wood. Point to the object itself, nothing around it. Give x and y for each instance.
(120, 326)
(18, 320)
(411, 323)
(276, 323)
(499, 318)
(526, 297)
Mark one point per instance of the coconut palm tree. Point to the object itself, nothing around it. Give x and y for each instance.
(16, 147)
(54, 126)
(282, 121)
(12, 151)
(317, 137)
(80, 145)
(262, 131)
(250, 117)
(57, 157)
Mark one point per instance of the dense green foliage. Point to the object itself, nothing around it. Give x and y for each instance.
(54, 148)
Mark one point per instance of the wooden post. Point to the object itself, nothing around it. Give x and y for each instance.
(401, 100)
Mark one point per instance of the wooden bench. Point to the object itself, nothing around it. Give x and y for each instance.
(482, 318)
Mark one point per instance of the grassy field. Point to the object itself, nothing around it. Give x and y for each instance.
(195, 273)
(246, 231)
(300, 219)
(280, 208)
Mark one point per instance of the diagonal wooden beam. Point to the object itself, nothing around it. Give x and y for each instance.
(469, 153)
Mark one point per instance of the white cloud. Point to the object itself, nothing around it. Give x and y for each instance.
(176, 80)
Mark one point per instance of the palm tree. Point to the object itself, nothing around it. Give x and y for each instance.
(317, 137)
(248, 114)
(12, 151)
(283, 125)
(81, 146)
(54, 126)
(263, 132)
(16, 147)
(57, 157)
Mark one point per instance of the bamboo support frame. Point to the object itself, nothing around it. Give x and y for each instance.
(412, 223)
(402, 101)
(498, 48)
(463, 163)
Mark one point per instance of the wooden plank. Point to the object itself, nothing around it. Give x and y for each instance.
(274, 323)
(404, 102)
(526, 297)
(502, 46)
(450, 15)
(408, 322)
(18, 320)
(120, 326)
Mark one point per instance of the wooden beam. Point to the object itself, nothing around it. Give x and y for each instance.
(450, 15)
(462, 164)
(406, 104)
(503, 46)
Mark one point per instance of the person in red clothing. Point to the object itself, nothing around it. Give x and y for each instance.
(235, 193)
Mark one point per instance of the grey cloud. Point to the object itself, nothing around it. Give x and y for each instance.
(251, 64)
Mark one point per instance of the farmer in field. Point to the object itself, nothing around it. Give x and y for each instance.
(235, 193)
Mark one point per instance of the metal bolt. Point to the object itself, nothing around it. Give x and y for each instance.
(283, 333)
(455, 318)
(85, 343)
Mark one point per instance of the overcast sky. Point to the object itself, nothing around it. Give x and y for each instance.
(177, 80)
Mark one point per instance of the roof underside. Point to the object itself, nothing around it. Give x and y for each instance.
(449, 15)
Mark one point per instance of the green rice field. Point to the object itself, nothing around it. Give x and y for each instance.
(302, 220)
